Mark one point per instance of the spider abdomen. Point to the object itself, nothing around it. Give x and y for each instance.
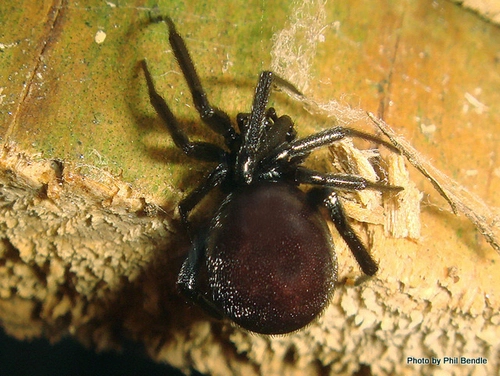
(270, 261)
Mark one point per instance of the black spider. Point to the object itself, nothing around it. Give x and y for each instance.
(265, 259)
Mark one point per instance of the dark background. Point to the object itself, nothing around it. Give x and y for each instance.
(67, 357)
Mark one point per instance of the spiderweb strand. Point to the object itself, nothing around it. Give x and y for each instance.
(485, 218)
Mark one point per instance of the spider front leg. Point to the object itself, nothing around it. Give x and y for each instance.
(304, 146)
(215, 118)
(276, 130)
(261, 130)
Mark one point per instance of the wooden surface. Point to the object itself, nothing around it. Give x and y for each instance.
(90, 180)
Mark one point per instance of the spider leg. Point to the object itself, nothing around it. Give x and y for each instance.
(188, 281)
(199, 150)
(215, 118)
(303, 146)
(243, 117)
(348, 182)
(193, 198)
(330, 199)
(257, 138)
(276, 131)
(252, 130)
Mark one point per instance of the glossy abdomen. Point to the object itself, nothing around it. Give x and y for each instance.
(270, 259)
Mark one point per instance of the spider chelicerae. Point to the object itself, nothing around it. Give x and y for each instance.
(265, 259)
